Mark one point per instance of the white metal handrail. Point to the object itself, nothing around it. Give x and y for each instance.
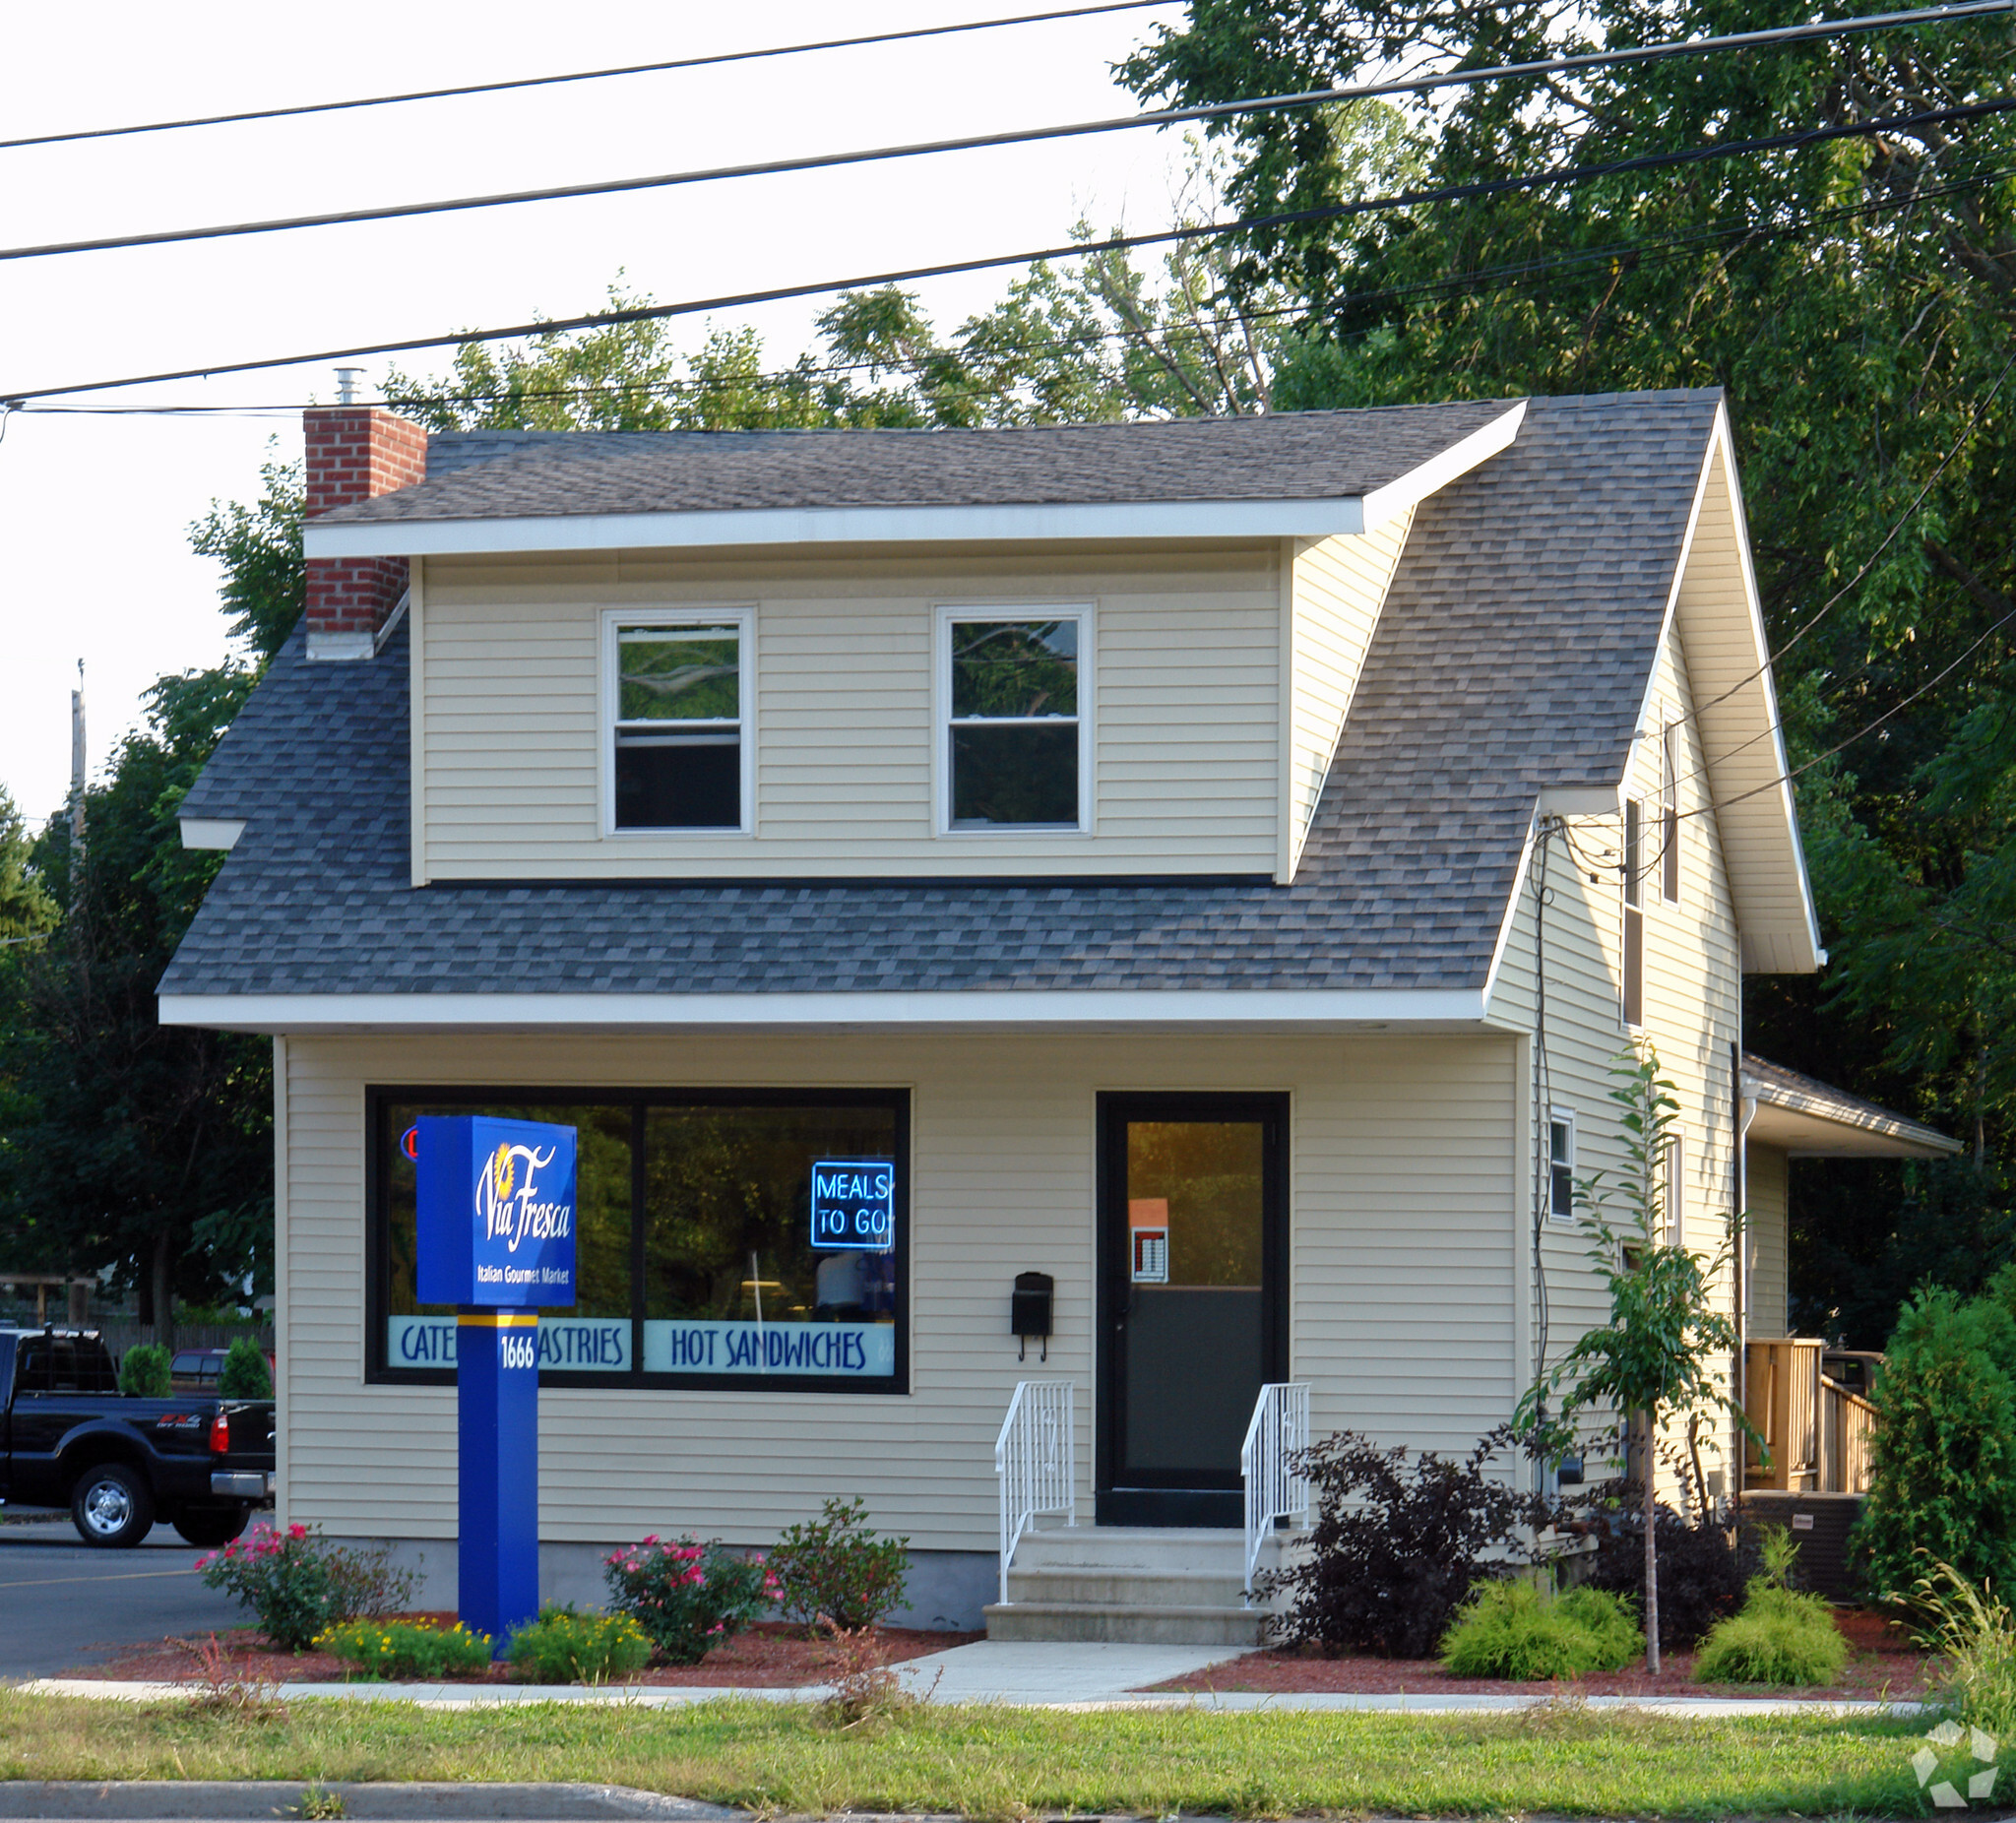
(1276, 1437)
(1035, 1457)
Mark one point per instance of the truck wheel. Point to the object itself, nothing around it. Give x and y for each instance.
(111, 1505)
(211, 1525)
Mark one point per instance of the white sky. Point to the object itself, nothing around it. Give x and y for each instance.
(95, 561)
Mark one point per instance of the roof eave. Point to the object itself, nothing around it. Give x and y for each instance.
(975, 1010)
(1340, 516)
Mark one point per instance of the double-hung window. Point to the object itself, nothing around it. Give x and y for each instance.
(678, 722)
(1561, 1163)
(1015, 732)
(1634, 913)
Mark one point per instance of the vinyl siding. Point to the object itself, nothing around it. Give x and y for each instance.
(1692, 1009)
(1186, 689)
(1713, 613)
(1337, 587)
(1770, 1215)
(1401, 1187)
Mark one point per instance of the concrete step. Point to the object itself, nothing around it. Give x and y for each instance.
(1098, 1586)
(1197, 1625)
(1153, 1548)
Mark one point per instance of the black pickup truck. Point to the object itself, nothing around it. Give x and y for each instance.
(69, 1438)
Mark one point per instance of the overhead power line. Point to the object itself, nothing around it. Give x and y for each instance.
(1476, 278)
(577, 76)
(1558, 175)
(1164, 117)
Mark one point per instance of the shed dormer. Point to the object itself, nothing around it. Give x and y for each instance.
(1095, 651)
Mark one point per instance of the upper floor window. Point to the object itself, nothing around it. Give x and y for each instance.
(1670, 814)
(1015, 726)
(679, 743)
(1634, 913)
(1561, 1163)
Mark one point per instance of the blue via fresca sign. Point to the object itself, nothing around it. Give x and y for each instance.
(854, 1203)
(496, 1211)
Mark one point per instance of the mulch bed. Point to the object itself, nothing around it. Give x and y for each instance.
(770, 1655)
(1882, 1664)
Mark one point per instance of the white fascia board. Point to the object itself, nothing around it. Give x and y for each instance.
(910, 525)
(1416, 484)
(211, 831)
(1303, 1009)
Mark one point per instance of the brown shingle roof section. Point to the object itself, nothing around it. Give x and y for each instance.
(1513, 653)
(1291, 456)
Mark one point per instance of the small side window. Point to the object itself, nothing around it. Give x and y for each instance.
(678, 732)
(1634, 913)
(1670, 815)
(1561, 1164)
(1675, 1210)
(1014, 734)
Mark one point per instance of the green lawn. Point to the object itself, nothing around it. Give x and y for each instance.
(1001, 1762)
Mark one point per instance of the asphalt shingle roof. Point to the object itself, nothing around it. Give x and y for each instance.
(1292, 456)
(1512, 655)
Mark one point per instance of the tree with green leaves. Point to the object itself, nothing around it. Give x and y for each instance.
(1854, 294)
(1663, 1355)
(131, 1146)
(1087, 341)
(1943, 1484)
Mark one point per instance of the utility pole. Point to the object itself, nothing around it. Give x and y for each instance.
(77, 790)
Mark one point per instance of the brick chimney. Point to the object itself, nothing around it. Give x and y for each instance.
(355, 453)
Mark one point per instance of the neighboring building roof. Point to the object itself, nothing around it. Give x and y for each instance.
(1287, 455)
(1811, 1119)
(1511, 656)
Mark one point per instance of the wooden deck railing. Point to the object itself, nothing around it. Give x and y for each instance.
(1816, 1431)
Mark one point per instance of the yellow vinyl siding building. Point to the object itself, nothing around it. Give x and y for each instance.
(1195, 847)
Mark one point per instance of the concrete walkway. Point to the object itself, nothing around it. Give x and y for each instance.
(1063, 1675)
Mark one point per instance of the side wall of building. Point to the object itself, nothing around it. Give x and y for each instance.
(1404, 1166)
(1769, 1214)
(1338, 586)
(1692, 1010)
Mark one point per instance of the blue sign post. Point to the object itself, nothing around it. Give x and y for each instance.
(496, 1239)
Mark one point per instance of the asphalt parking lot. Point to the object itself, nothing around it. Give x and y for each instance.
(64, 1605)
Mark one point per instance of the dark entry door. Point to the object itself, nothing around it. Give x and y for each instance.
(1192, 1259)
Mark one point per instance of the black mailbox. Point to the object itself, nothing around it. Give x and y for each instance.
(1029, 1310)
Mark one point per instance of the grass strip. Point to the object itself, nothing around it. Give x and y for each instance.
(1001, 1762)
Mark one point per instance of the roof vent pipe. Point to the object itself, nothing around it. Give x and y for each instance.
(349, 386)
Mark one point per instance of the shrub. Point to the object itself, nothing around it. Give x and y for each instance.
(1396, 1549)
(405, 1648)
(1705, 1562)
(244, 1374)
(1974, 1635)
(1779, 1638)
(687, 1596)
(563, 1647)
(836, 1567)
(298, 1584)
(1943, 1458)
(1511, 1630)
(144, 1371)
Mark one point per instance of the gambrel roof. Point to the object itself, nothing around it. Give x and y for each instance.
(1511, 660)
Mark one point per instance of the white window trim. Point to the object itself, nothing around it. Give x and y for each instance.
(1560, 1116)
(1675, 1166)
(941, 715)
(740, 617)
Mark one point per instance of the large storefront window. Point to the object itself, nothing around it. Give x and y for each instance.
(741, 1239)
